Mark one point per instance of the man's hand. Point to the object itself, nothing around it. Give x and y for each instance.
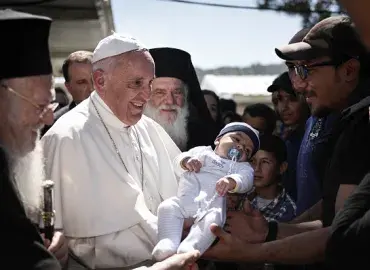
(224, 185)
(248, 225)
(231, 248)
(233, 201)
(178, 261)
(192, 164)
(58, 246)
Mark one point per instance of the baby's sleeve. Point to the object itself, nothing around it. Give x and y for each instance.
(198, 152)
(243, 177)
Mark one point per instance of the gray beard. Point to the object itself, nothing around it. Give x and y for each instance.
(29, 175)
(177, 130)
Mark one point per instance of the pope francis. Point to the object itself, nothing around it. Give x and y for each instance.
(111, 165)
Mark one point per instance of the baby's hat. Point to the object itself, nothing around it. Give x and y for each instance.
(245, 128)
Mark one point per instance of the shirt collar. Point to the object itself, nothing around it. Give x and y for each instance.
(273, 203)
(105, 112)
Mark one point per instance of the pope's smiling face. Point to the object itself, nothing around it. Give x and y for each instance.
(125, 84)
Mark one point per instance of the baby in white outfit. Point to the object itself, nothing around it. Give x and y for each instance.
(206, 175)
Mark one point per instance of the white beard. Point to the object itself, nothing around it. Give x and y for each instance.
(29, 176)
(177, 130)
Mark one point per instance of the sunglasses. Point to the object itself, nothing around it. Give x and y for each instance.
(303, 70)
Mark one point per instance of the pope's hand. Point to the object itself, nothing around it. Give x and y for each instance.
(178, 261)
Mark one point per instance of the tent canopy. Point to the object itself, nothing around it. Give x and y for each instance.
(247, 85)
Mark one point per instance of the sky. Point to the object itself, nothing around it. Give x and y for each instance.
(213, 36)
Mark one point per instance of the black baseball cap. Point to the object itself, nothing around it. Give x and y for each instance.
(282, 82)
(334, 36)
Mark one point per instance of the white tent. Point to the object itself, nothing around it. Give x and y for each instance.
(246, 85)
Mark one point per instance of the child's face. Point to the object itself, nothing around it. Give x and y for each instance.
(266, 169)
(240, 140)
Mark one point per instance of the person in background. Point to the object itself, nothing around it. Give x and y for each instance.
(77, 72)
(227, 105)
(269, 196)
(177, 102)
(59, 97)
(230, 117)
(359, 12)
(290, 107)
(293, 111)
(213, 104)
(261, 117)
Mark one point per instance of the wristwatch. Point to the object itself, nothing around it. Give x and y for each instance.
(272, 231)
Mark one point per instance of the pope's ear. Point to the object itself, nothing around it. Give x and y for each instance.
(99, 80)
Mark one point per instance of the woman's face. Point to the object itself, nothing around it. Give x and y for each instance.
(212, 106)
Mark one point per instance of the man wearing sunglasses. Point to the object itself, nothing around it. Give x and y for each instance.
(329, 71)
(329, 68)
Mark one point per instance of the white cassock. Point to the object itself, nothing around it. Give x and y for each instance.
(107, 213)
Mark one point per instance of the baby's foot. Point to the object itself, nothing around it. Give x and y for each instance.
(185, 247)
(164, 249)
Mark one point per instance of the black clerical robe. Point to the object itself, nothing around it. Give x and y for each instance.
(22, 246)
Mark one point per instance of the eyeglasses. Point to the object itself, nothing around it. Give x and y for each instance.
(303, 70)
(42, 110)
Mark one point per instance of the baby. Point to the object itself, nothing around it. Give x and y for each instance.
(205, 177)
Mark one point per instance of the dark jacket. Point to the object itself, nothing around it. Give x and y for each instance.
(57, 114)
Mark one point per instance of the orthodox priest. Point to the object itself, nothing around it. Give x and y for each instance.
(25, 83)
(111, 165)
(177, 102)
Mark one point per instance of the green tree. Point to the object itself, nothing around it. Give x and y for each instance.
(311, 11)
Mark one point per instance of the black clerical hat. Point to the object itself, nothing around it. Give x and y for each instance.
(24, 46)
(176, 63)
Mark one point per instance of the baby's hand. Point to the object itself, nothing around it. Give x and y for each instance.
(192, 164)
(224, 185)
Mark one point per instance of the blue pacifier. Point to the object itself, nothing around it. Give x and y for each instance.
(234, 154)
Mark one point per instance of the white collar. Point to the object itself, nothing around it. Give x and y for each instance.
(105, 112)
